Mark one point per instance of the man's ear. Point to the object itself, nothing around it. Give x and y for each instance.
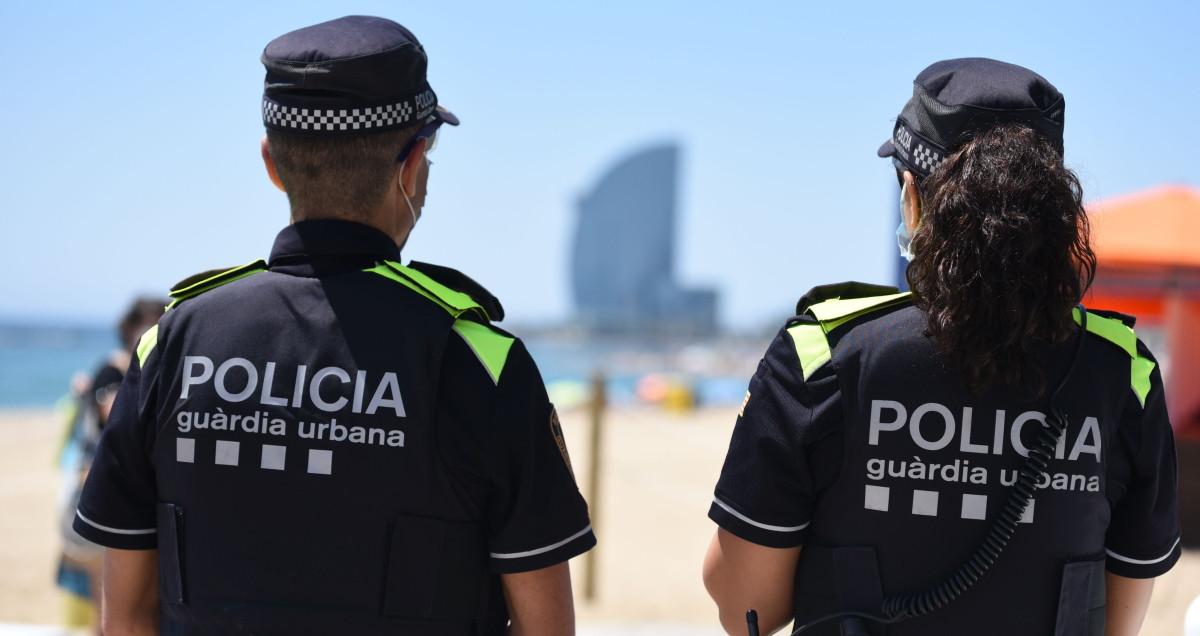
(269, 162)
(410, 168)
(910, 202)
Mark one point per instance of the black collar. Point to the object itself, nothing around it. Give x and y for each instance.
(331, 240)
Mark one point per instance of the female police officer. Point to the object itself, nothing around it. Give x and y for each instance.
(981, 454)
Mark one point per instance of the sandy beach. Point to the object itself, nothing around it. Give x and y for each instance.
(658, 470)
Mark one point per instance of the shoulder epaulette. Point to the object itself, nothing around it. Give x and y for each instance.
(1117, 328)
(460, 282)
(211, 279)
(458, 304)
(472, 319)
(1126, 319)
(841, 291)
(826, 308)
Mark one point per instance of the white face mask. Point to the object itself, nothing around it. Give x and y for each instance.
(902, 237)
(904, 241)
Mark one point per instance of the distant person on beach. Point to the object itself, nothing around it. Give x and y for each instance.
(982, 456)
(330, 442)
(79, 566)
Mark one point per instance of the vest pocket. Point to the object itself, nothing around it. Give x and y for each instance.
(1082, 599)
(837, 579)
(436, 569)
(170, 547)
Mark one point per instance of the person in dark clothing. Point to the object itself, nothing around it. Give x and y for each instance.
(331, 442)
(983, 455)
(80, 564)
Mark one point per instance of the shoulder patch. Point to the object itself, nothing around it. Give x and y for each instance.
(559, 440)
(211, 279)
(489, 345)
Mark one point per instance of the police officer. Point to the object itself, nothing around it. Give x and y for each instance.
(330, 442)
(979, 456)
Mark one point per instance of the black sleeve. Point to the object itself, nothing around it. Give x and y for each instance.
(1143, 536)
(535, 514)
(117, 507)
(770, 482)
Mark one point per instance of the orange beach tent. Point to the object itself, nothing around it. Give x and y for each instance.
(1148, 251)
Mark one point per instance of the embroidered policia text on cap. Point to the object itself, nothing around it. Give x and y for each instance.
(353, 75)
(955, 99)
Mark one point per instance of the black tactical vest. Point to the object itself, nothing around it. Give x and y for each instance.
(301, 487)
(926, 467)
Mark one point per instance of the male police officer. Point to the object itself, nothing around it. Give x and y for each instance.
(329, 442)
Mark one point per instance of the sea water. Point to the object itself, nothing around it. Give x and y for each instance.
(38, 361)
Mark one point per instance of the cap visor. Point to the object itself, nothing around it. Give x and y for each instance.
(444, 114)
(887, 149)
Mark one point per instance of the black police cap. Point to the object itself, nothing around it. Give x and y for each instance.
(955, 99)
(351, 76)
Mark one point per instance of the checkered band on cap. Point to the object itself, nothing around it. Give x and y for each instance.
(926, 158)
(345, 120)
(914, 150)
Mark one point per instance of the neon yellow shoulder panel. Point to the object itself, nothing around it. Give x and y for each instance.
(187, 289)
(146, 344)
(455, 302)
(491, 347)
(1118, 333)
(812, 345)
(836, 312)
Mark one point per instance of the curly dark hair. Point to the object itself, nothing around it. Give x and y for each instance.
(1002, 254)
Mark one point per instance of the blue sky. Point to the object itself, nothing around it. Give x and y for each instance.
(129, 158)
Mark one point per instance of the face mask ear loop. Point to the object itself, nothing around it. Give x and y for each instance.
(410, 206)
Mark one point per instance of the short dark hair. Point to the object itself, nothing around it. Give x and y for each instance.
(1002, 253)
(343, 177)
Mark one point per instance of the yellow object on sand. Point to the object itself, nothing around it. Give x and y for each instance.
(78, 612)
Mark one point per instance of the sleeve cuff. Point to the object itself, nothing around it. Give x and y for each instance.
(755, 531)
(543, 556)
(119, 538)
(1132, 566)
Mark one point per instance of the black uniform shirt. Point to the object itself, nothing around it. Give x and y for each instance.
(366, 408)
